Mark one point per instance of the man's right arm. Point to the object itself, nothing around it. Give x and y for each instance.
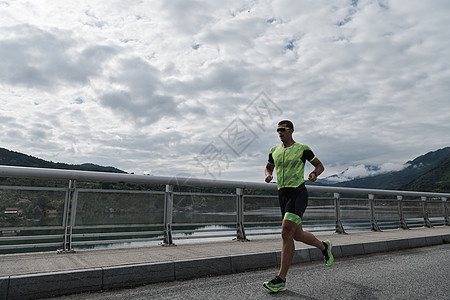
(269, 171)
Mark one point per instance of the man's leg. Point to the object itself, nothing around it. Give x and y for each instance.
(288, 230)
(307, 238)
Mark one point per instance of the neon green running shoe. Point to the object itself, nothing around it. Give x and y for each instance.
(328, 256)
(275, 285)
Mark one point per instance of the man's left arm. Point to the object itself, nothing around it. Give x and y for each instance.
(319, 168)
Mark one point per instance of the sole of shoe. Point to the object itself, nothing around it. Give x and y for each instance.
(274, 291)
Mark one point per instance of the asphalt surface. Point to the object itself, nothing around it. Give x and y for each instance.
(417, 273)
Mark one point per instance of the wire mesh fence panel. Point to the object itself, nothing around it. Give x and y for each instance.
(31, 219)
(203, 208)
(319, 215)
(355, 213)
(387, 213)
(117, 218)
(31, 208)
(261, 209)
(116, 208)
(413, 212)
(435, 211)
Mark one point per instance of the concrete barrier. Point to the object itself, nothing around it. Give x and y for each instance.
(246, 262)
(55, 283)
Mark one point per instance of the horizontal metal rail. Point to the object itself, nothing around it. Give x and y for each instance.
(115, 241)
(33, 237)
(120, 191)
(109, 234)
(116, 226)
(22, 228)
(203, 194)
(10, 171)
(203, 224)
(30, 246)
(32, 188)
(204, 237)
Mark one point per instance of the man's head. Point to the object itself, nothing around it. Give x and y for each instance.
(286, 123)
(285, 129)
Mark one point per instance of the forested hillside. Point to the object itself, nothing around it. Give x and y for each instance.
(436, 180)
(11, 158)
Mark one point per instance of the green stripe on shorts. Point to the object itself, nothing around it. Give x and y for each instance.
(293, 217)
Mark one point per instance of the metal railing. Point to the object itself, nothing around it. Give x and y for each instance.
(87, 211)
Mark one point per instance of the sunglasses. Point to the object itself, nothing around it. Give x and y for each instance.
(282, 129)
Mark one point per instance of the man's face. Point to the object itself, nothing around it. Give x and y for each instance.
(284, 132)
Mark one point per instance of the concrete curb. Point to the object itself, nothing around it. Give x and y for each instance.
(133, 275)
(4, 287)
(32, 286)
(55, 283)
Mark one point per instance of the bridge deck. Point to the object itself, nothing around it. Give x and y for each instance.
(47, 273)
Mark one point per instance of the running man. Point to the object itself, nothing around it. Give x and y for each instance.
(289, 161)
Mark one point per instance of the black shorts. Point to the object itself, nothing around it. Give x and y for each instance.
(293, 200)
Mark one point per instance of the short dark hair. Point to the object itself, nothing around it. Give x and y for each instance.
(287, 122)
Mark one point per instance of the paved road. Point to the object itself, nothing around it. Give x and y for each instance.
(420, 273)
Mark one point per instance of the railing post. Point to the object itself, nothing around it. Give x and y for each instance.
(66, 217)
(73, 214)
(373, 222)
(337, 212)
(403, 224)
(425, 212)
(240, 231)
(168, 213)
(444, 203)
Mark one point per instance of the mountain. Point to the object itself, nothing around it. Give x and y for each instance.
(436, 180)
(367, 170)
(11, 158)
(399, 179)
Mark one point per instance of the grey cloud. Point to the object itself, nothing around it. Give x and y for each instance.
(187, 16)
(192, 109)
(236, 33)
(38, 58)
(142, 110)
(234, 76)
(6, 119)
(15, 134)
(140, 99)
(38, 134)
(227, 77)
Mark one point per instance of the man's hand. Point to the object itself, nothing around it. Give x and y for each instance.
(312, 177)
(317, 171)
(268, 172)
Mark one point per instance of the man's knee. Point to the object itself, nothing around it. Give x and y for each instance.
(288, 230)
(287, 235)
(299, 236)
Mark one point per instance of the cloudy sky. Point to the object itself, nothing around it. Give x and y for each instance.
(197, 87)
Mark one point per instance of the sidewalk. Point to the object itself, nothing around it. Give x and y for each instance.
(33, 275)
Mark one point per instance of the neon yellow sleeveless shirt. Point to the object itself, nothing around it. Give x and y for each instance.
(290, 163)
